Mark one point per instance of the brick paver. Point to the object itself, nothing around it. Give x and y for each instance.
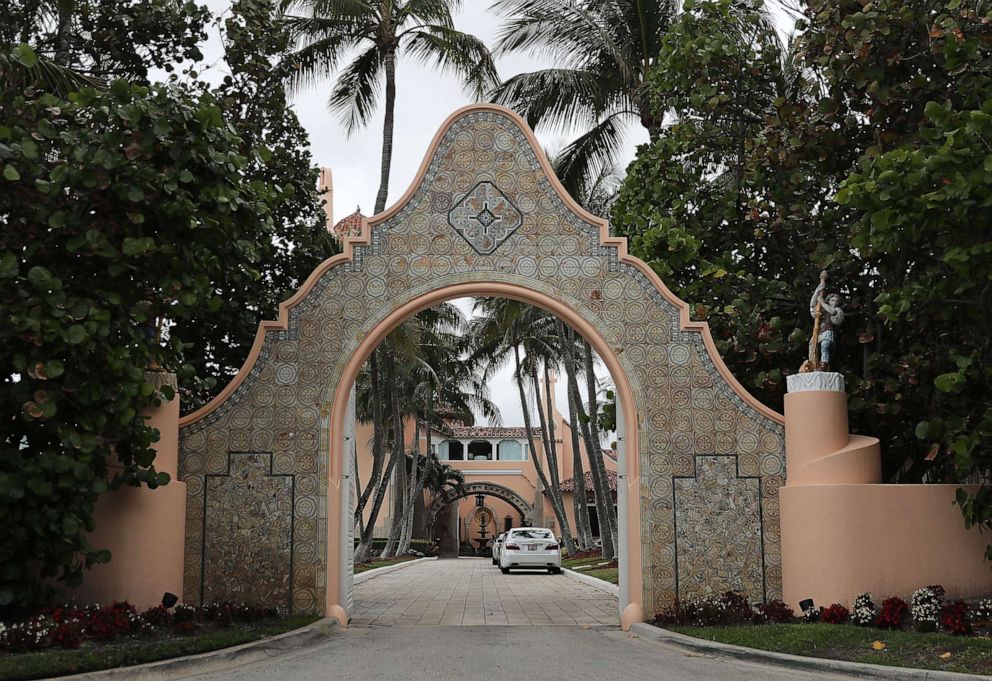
(472, 591)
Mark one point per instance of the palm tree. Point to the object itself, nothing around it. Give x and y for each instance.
(498, 333)
(440, 374)
(379, 33)
(603, 51)
(571, 346)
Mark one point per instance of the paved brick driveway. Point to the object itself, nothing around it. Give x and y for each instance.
(472, 591)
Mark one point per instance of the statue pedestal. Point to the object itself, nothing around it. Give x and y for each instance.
(843, 533)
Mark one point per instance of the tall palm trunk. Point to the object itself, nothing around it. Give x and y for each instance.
(604, 504)
(559, 511)
(368, 532)
(550, 450)
(387, 131)
(580, 505)
(378, 455)
(399, 470)
(411, 487)
(596, 460)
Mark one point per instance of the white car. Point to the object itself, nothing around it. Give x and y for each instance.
(496, 547)
(530, 548)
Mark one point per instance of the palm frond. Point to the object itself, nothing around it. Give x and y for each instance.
(556, 97)
(460, 53)
(354, 95)
(576, 163)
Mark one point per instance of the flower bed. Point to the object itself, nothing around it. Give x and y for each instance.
(935, 623)
(70, 626)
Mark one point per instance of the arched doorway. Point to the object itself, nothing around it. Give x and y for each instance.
(441, 521)
(700, 461)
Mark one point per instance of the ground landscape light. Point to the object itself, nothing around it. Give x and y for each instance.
(806, 604)
(169, 599)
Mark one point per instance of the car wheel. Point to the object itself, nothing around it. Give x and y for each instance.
(504, 570)
(495, 562)
(556, 571)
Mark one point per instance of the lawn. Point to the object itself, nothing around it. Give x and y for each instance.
(572, 563)
(372, 565)
(90, 658)
(611, 575)
(848, 642)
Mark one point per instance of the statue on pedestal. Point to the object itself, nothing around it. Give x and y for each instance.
(827, 315)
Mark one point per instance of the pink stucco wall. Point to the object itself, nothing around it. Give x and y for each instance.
(843, 533)
(144, 530)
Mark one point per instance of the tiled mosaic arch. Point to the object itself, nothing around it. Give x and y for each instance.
(524, 508)
(484, 210)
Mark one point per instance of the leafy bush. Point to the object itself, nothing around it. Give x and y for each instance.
(776, 612)
(893, 613)
(835, 614)
(954, 618)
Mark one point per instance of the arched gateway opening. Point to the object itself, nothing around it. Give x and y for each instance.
(700, 461)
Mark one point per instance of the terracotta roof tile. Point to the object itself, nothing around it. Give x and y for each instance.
(489, 432)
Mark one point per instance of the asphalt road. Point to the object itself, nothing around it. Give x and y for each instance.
(501, 653)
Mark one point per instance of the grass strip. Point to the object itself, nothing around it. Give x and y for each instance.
(848, 642)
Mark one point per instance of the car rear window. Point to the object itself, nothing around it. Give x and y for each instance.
(533, 534)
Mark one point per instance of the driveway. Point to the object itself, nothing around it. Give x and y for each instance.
(472, 591)
(413, 624)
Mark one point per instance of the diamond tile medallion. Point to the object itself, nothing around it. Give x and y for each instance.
(485, 218)
(484, 210)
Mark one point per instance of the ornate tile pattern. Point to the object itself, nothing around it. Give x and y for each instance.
(685, 408)
(718, 530)
(485, 218)
(253, 510)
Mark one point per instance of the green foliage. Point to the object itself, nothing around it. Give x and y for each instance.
(123, 209)
(277, 150)
(703, 213)
(928, 200)
(863, 149)
(107, 39)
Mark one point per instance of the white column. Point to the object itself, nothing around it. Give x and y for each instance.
(623, 534)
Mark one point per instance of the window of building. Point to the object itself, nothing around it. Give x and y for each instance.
(450, 450)
(511, 450)
(480, 450)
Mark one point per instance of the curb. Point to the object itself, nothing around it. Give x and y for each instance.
(872, 671)
(593, 581)
(216, 660)
(369, 574)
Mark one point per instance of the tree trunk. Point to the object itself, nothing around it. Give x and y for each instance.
(387, 131)
(368, 533)
(550, 451)
(378, 455)
(399, 470)
(566, 534)
(596, 461)
(604, 499)
(602, 505)
(407, 520)
(579, 496)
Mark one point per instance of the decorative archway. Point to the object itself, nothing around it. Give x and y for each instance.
(491, 489)
(700, 461)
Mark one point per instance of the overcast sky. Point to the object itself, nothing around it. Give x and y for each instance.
(424, 98)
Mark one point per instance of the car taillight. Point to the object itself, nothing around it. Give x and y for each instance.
(512, 547)
(551, 547)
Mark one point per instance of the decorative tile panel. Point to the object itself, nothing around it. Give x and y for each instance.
(718, 531)
(248, 525)
(484, 211)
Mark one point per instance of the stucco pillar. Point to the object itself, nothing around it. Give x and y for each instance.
(143, 528)
(818, 448)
